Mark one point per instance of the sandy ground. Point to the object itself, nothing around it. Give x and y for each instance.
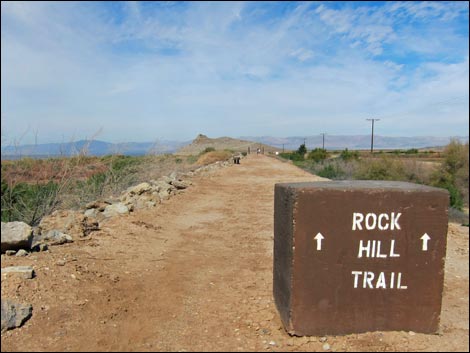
(195, 274)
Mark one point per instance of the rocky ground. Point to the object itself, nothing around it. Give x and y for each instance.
(194, 273)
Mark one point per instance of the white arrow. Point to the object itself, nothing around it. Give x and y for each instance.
(319, 237)
(425, 238)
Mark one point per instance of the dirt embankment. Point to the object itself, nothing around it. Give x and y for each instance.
(195, 274)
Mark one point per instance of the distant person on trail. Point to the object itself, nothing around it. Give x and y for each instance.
(258, 151)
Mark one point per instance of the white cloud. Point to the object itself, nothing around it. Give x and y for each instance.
(223, 68)
(302, 54)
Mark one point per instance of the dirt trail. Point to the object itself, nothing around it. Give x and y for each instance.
(195, 274)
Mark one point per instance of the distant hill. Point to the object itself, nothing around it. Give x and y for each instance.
(201, 142)
(339, 142)
(92, 148)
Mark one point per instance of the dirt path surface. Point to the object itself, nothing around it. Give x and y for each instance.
(195, 274)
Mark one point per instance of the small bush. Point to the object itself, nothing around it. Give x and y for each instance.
(213, 156)
(412, 151)
(207, 150)
(347, 155)
(191, 159)
(318, 155)
(331, 172)
(383, 168)
(28, 202)
(296, 157)
(453, 173)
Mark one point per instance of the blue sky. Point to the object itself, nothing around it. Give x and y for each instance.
(130, 71)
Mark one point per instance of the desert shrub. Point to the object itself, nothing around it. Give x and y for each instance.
(411, 151)
(318, 154)
(383, 168)
(213, 156)
(331, 171)
(417, 171)
(347, 155)
(207, 150)
(285, 155)
(191, 159)
(293, 156)
(28, 202)
(296, 157)
(453, 173)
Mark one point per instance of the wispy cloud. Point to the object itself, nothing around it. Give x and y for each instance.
(171, 70)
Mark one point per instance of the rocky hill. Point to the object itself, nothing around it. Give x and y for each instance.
(201, 142)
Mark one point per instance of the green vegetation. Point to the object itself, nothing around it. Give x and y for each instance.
(302, 150)
(347, 155)
(331, 171)
(382, 168)
(28, 202)
(33, 188)
(453, 173)
(400, 165)
(207, 150)
(318, 155)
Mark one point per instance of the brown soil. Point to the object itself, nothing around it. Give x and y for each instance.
(195, 274)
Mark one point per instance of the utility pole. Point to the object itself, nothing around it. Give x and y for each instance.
(323, 145)
(372, 136)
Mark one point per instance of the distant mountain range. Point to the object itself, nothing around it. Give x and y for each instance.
(354, 142)
(91, 148)
(332, 142)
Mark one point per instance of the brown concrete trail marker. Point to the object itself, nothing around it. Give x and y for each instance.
(358, 256)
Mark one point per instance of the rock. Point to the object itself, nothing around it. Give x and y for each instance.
(22, 252)
(139, 189)
(25, 272)
(115, 209)
(10, 252)
(91, 212)
(179, 184)
(53, 237)
(99, 205)
(14, 314)
(162, 186)
(164, 195)
(326, 347)
(15, 236)
(74, 223)
(42, 247)
(322, 339)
